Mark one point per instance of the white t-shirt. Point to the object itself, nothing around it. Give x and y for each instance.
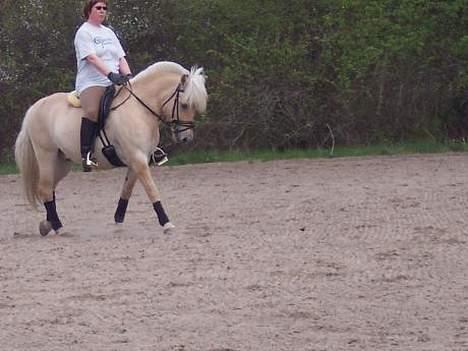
(102, 42)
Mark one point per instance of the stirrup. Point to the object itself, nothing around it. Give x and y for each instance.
(89, 162)
(158, 157)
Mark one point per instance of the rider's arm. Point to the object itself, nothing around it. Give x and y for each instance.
(99, 64)
(124, 68)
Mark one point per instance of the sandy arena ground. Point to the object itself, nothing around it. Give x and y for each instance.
(339, 254)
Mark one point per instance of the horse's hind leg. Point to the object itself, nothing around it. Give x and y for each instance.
(51, 170)
(127, 189)
(52, 220)
(62, 168)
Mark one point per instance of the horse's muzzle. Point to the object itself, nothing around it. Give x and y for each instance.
(182, 134)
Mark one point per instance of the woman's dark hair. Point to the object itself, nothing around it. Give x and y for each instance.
(89, 5)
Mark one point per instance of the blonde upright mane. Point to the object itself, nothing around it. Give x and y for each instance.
(194, 94)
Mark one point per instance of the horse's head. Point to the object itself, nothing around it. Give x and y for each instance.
(179, 95)
(183, 102)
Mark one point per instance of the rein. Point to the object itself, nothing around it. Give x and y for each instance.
(175, 120)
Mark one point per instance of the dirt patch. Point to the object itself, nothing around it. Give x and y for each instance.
(341, 254)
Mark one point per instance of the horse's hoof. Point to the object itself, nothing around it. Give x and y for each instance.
(45, 227)
(119, 219)
(168, 227)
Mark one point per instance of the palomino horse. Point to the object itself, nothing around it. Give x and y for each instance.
(48, 142)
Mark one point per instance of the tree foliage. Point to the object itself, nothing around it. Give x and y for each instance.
(280, 74)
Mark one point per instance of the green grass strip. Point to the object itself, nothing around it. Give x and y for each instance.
(345, 151)
(194, 157)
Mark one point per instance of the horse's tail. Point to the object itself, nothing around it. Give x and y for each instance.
(27, 163)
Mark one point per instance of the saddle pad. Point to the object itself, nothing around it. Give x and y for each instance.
(73, 99)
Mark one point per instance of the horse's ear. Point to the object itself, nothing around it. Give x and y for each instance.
(183, 80)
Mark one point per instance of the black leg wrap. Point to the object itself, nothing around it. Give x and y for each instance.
(52, 215)
(162, 216)
(120, 212)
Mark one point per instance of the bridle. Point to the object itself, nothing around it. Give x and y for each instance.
(175, 121)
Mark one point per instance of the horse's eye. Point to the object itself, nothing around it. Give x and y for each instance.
(184, 106)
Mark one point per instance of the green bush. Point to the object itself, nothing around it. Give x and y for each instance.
(280, 74)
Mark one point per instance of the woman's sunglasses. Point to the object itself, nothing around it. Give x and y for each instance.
(99, 8)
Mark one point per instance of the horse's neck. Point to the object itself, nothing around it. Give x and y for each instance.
(140, 89)
(154, 90)
(132, 123)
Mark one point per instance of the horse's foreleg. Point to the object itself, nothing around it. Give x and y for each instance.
(127, 189)
(144, 175)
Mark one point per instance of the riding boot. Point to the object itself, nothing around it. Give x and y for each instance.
(87, 137)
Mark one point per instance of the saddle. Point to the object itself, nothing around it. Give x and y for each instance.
(157, 157)
(73, 99)
(108, 149)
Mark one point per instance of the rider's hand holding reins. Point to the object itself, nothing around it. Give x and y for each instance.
(118, 79)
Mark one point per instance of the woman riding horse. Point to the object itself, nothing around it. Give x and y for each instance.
(100, 62)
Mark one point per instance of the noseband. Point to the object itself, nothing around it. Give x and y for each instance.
(175, 119)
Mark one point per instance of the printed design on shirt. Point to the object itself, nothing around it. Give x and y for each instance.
(99, 41)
